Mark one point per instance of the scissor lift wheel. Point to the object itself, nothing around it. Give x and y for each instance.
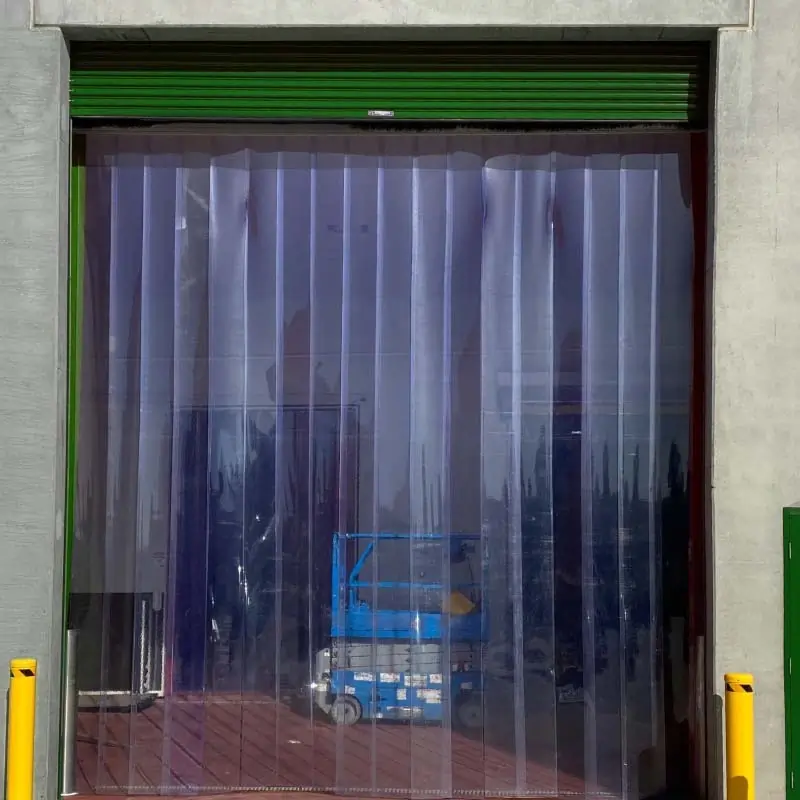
(346, 710)
(469, 712)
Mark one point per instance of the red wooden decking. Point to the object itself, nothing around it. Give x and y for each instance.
(223, 745)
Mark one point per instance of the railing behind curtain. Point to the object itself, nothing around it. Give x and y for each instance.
(414, 338)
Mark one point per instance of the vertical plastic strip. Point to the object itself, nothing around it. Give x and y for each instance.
(280, 441)
(445, 485)
(103, 778)
(190, 603)
(500, 391)
(256, 206)
(485, 540)
(77, 254)
(200, 719)
(601, 341)
(515, 488)
(416, 460)
(311, 508)
(231, 261)
(427, 534)
(162, 339)
(641, 601)
(157, 409)
(176, 479)
(143, 471)
(220, 466)
(122, 462)
(694, 153)
(653, 494)
(622, 511)
(342, 767)
(587, 537)
(156, 405)
(551, 380)
(247, 448)
(377, 422)
(225, 404)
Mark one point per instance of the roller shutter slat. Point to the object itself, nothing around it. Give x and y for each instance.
(536, 82)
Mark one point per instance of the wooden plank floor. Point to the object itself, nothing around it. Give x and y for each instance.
(214, 745)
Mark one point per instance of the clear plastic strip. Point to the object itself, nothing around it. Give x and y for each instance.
(311, 488)
(485, 339)
(622, 516)
(642, 756)
(155, 380)
(587, 538)
(110, 477)
(416, 458)
(201, 716)
(245, 452)
(499, 491)
(226, 448)
(342, 767)
(120, 563)
(377, 441)
(144, 471)
(653, 494)
(551, 370)
(445, 489)
(515, 489)
(549, 439)
(175, 487)
(280, 435)
(189, 290)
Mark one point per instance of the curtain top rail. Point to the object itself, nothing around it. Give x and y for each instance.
(303, 130)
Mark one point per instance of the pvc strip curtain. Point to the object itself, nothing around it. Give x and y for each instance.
(378, 439)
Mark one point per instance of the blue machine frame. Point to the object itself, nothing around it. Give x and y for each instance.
(354, 618)
(404, 663)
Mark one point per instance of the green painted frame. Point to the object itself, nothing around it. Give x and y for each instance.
(791, 646)
(77, 200)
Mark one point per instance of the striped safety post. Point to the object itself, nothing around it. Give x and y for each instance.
(21, 727)
(740, 761)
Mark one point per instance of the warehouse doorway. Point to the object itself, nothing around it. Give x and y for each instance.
(232, 297)
(386, 452)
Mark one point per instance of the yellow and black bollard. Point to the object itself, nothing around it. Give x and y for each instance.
(21, 727)
(740, 760)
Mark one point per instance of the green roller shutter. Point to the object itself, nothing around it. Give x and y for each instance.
(653, 82)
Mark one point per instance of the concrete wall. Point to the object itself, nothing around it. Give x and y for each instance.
(756, 356)
(33, 257)
(245, 13)
(754, 328)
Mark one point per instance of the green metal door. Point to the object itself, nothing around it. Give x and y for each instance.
(529, 82)
(791, 617)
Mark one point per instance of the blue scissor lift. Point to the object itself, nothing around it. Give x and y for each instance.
(407, 627)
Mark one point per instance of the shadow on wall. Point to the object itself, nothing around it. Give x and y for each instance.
(5, 748)
(738, 789)
(716, 767)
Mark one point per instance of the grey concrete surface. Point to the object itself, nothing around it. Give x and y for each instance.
(373, 33)
(320, 13)
(755, 380)
(33, 258)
